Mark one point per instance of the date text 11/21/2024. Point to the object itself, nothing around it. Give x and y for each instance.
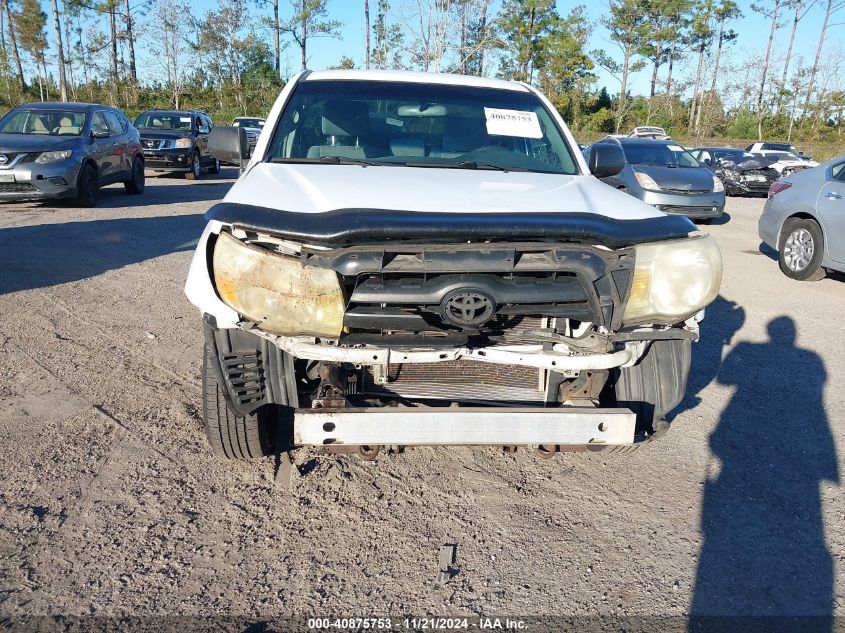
(417, 624)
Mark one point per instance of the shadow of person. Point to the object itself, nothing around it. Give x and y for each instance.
(764, 551)
(722, 320)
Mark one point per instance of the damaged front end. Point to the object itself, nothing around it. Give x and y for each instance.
(554, 330)
(748, 177)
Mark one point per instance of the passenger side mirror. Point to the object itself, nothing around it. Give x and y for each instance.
(228, 143)
(606, 160)
(99, 134)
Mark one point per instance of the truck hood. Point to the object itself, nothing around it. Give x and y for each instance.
(35, 142)
(322, 188)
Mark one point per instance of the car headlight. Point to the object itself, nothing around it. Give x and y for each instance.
(673, 280)
(183, 143)
(646, 181)
(52, 157)
(276, 292)
(718, 185)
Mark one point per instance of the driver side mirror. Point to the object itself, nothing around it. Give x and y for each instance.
(228, 143)
(606, 160)
(99, 134)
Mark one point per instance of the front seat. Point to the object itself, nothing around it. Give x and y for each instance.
(344, 124)
(66, 126)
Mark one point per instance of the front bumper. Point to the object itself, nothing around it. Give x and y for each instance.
(699, 206)
(35, 181)
(168, 159)
(569, 426)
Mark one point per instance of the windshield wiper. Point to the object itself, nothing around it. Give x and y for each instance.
(331, 160)
(474, 164)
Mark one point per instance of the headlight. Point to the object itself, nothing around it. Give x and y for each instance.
(673, 280)
(183, 143)
(646, 181)
(276, 292)
(718, 186)
(52, 157)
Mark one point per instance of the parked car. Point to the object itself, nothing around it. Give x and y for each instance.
(253, 127)
(741, 172)
(176, 141)
(649, 131)
(763, 147)
(664, 174)
(804, 220)
(406, 239)
(786, 163)
(67, 150)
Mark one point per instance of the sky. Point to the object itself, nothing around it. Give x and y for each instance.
(753, 32)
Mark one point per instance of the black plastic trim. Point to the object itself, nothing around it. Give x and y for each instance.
(348, 226)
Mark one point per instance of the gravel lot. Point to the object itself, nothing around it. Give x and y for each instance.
(112, 504)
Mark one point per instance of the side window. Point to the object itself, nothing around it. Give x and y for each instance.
(114, 123)
(98, 123)
(838, 172)
(209, 123)
(201, 127)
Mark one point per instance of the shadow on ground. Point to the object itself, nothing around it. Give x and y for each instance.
(49, 254)
(764, 551)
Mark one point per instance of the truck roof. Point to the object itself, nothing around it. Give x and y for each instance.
(415, 77)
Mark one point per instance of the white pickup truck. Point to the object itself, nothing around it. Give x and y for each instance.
(427, 259)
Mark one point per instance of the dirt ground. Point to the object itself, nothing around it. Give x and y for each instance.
(112, 504)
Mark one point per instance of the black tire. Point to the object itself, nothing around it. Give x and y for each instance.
(135, 185)
(196, 167)
(87, 187)
(215, 167)
(801, 250)
(704, 220)
(232, 436)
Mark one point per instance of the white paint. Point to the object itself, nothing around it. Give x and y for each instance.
(325, 187)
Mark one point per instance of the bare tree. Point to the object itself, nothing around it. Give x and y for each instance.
(830, 8)
(801, 8)
(60, 50)
(728, 10)
(772, 14)
(367, 33)
(170, 46)
(13, 40)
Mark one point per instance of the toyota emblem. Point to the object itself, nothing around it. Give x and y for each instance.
(467, 307)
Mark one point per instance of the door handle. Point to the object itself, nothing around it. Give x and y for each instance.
(833, 195)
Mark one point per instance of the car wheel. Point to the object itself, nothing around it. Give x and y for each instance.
(233, 436)
(196, 168)
(88, 186)
(215, 167)
(135, 185)
(801, 250)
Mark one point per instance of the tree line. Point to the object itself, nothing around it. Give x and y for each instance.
(706, 77)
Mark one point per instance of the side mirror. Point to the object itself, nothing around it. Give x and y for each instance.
(606, 160)
(228, 144)
(99, 134)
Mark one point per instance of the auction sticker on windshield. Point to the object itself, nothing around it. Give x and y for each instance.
(512, 123)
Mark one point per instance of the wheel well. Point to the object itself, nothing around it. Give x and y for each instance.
(802, 215)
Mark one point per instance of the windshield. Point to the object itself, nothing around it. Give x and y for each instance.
(164, 121)
(733, 155)
(47, 122)
(658, 154)
(419, 125)
(248, 122)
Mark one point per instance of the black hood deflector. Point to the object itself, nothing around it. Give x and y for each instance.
(357, 226)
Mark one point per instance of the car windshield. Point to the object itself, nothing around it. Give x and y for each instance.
(248, 122)
(47, 122)
(419, 125)
(164, 121)
(733, 155)
(658, 154)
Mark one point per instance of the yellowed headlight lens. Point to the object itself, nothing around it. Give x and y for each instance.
(673, 279)
(276, 292)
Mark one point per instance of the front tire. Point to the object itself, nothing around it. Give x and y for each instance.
(135, 185)
(801, 250)
(232, 436)
(196, 167)
(215, 167)
(87, 187)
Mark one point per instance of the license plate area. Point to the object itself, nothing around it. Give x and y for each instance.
(7, 178)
